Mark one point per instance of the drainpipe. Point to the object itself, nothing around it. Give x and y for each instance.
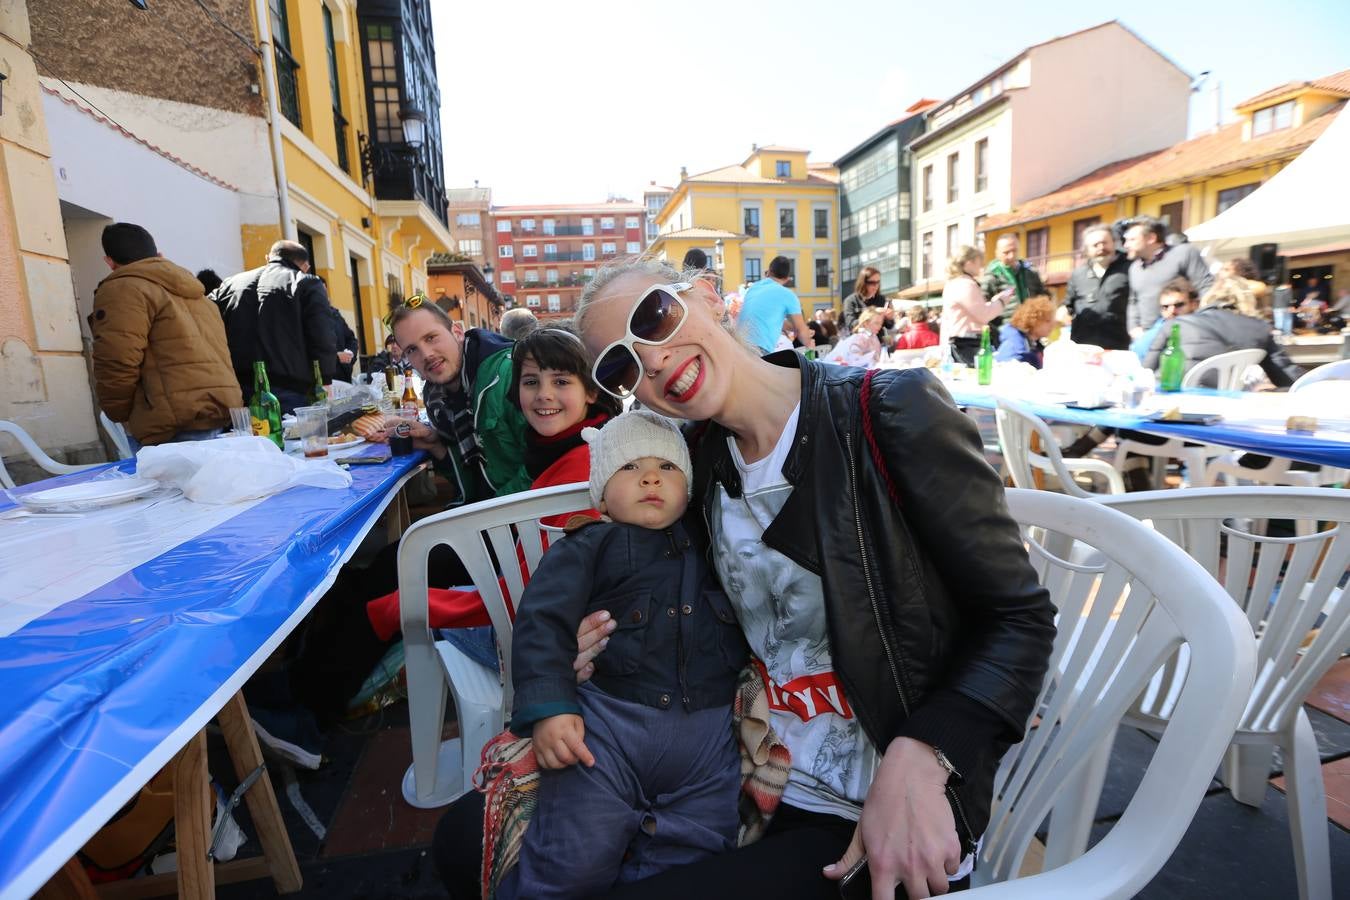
(260, 13)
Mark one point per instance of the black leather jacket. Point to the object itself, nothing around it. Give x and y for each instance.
(939, 629)
(1098, 305)
(677, 641)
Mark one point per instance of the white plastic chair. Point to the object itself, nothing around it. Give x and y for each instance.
(1120, 619)
(1228, 368)
(1332, 371)
(1286, 587)
(442, 771)
(117, 434)
(45, 462)
(1016, 424)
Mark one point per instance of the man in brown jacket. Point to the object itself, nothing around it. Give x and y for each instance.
(161, 364)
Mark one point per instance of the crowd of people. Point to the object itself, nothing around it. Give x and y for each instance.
(751, 548)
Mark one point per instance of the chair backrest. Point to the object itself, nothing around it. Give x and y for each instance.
(1332, 371)
(1228, 368)
(477, 533)
(117, 434)
(32, 449)
(1121, 616)
(1285, 585)
(1016, 424)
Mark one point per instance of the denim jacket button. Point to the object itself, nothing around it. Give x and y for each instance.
(665, 699)
(686, 609)
(670, 612)
(636, 615)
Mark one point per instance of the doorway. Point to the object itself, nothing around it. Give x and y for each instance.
(1313, 278)
(357, 307)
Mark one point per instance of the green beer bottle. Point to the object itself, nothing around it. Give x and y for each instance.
(1173, 364)
(984, 360)
(317, 395)
(265, 409)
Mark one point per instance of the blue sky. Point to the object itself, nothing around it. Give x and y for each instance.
(549, 102)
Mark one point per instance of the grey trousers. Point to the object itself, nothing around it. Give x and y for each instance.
(663, 793)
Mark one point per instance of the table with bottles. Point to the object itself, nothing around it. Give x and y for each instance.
(125, 630)
(1250, 421)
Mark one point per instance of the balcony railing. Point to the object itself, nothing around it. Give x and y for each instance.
(569, 256)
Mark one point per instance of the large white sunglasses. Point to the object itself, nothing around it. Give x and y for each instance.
(655, 317)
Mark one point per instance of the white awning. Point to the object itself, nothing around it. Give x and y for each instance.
(1306, 202)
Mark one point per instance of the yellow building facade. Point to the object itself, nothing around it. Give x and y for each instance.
(1184, 185)
(370, 251)
(775, 203)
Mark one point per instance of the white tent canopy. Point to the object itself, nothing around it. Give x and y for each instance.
(1307, 202)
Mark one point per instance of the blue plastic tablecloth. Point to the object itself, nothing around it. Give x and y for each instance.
(1322, 448)
(94, 688)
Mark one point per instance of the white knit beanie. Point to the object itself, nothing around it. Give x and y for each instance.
(633, 435)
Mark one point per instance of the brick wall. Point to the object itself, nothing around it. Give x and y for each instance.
(174, 50)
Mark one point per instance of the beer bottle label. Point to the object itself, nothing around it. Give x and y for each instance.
(261, 428)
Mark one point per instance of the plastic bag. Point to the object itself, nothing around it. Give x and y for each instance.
(233, 469)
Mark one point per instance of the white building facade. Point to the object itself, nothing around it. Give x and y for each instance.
(1056, 111)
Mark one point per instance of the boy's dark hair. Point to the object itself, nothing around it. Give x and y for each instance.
(1179, 285)
(780, 267)
(124, 242)
(289, 251)
(209, 279)
(557, 348)
(695, 259)
(390, 339)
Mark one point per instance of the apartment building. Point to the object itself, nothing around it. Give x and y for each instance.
(774, 203)
(654, 197)
(471, 224)
(547, 253)
(876, 204)
(1054, 112)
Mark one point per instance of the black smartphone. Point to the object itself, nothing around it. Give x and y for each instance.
(364, 460)
(1094, 406)
(1188, 419)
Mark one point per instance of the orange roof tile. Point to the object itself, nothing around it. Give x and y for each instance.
(1208, 154)
(1339, 83)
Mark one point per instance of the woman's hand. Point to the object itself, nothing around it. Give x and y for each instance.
(558, 742)
(906, 831)
(592, 638)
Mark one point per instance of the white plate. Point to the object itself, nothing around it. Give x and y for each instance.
(354, 442)
(89, 494)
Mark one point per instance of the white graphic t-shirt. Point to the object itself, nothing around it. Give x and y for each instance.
(781, 607)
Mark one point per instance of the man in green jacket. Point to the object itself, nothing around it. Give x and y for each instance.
(1007, 271)
(477, 436)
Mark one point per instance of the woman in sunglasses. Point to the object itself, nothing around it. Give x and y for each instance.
(866, 292)
(877, 575)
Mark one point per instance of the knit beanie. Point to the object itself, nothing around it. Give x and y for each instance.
(633, 435)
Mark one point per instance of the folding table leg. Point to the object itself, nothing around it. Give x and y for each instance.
(397, 517)
(237, 728)
(192, 821)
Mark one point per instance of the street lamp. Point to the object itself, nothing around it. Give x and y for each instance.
(719, 259)
(377, 156)
(414, 126)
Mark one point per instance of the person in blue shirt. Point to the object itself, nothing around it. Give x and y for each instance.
(1020, 338)
(767, 303)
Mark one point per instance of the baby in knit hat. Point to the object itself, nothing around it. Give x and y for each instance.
(640, 769)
